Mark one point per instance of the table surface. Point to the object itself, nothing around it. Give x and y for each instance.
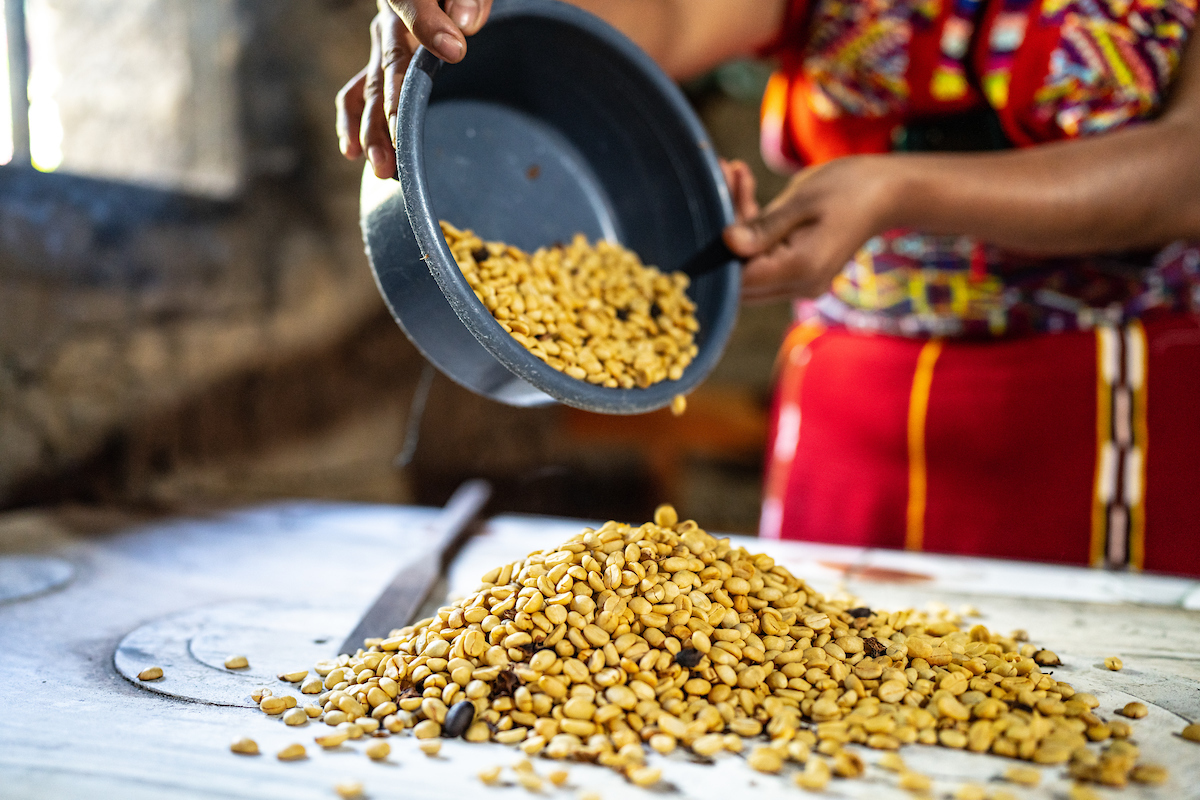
(72, 726)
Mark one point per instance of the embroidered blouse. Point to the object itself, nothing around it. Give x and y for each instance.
(855, 74)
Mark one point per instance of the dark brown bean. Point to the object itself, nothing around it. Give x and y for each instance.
(688, 658)
(873, 648)
(458, 719)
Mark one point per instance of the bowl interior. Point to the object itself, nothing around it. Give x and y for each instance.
(555, 125)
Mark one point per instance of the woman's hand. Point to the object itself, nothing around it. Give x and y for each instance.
(742, 188)
(366, 106)
(1135, 188)
(806, 236)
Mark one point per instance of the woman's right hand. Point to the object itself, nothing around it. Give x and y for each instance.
(366, 106)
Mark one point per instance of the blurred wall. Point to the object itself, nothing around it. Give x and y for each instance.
(158, 347)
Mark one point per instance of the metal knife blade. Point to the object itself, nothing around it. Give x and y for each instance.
(409, 588)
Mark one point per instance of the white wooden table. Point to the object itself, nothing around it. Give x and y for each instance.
(71, 726)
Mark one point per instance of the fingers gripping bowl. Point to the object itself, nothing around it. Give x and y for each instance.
(554, 124)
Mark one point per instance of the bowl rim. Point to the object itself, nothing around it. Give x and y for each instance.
(410, 161)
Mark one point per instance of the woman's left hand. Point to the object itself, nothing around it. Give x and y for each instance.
(804, 237)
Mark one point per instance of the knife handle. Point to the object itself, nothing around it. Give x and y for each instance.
(462, 507)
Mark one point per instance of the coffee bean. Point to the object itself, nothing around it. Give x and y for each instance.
(458, 719)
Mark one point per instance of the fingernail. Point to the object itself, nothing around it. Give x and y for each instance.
(465, 12)
(447, 47)
(343, 144)
(377, 156)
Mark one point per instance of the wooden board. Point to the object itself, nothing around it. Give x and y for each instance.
(73, 726)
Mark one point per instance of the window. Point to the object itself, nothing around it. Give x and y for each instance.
(12, 60)
(135, 91)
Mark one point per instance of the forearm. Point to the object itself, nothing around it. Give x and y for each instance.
(689, 37)
(1136, 187)
(1133, 188)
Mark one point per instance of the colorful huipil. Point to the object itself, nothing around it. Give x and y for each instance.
(956, 360)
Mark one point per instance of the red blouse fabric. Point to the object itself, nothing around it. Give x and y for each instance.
(854, 70)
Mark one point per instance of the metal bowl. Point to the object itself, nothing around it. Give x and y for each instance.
(553, 124)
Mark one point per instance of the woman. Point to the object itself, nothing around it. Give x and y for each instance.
(1004, 354)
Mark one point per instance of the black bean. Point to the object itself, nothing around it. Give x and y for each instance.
(458, 719)
(688, 658)
(861, 611)
(480, 254)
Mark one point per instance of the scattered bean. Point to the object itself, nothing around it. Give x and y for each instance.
(1113, 663)
(765, 759)
(1046, 658)
(914, 781)
(150, 674)
(293, 752)
(430, 747)
(530, 781)
(378, 750)
(1134, 710)
(645, 776)
(349, 790)
(815, 777)
(247, 747)
(1153, 774)
(237, 662)
(1026, 776)
(1081, 791)
(332, 740)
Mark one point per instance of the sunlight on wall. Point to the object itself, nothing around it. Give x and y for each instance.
(6, 137)
(45, 122)
(138, 91)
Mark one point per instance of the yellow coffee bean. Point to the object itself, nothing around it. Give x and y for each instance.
(1135, 710)
(245, 746)
(293, 752)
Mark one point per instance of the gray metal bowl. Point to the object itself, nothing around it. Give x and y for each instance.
(553, 124)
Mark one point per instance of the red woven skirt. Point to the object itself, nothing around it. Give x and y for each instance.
(1078, 447)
